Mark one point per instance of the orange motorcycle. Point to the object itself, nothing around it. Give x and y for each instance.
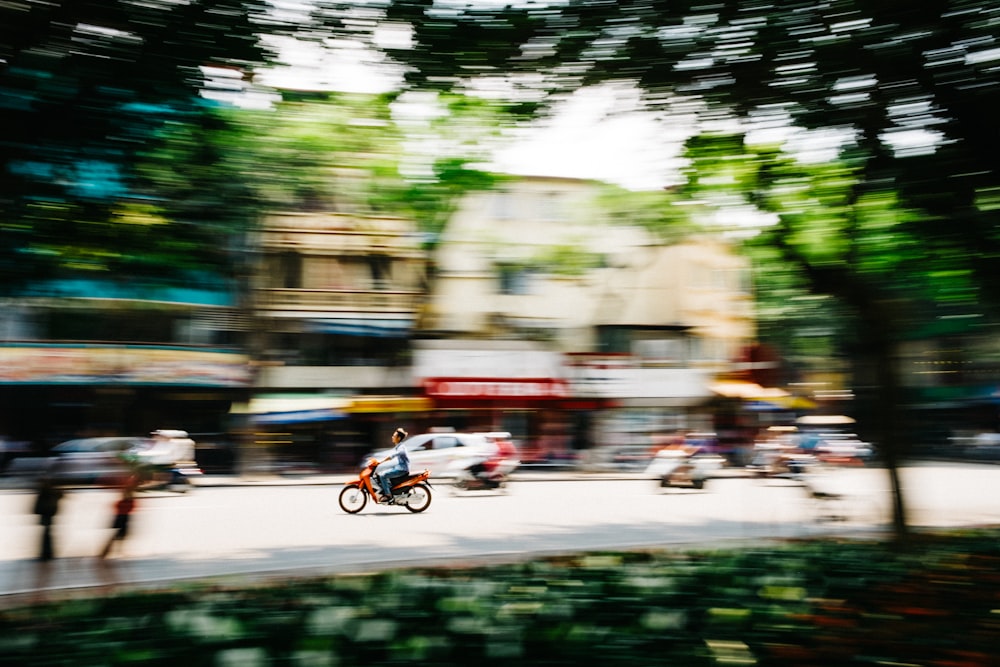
(412, 492)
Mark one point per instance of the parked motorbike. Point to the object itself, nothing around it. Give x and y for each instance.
(412, 492)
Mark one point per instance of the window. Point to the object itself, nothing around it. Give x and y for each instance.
(290, 270)
(379, 267)
(664, 349)
(551, 207)
(503, 206)
(515, 279)
(444, 442)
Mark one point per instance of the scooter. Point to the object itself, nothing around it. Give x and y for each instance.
(176, 478)
(412, 492)
(164, 461)
(683, 467)
(485, 474)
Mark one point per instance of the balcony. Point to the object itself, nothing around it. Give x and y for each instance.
(339, 234)
(288, 302)
(348, 378)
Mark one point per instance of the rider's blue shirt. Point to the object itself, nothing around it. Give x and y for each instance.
(402, 456)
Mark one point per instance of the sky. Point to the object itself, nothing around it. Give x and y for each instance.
(584, 139)
(593, 136)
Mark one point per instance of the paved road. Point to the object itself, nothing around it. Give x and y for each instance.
(262, 526)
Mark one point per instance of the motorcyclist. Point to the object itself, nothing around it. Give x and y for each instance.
(397, 464)
(484, 469)
(166, 448)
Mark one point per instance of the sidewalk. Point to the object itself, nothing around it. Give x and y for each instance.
(321, 479)
(223, 480)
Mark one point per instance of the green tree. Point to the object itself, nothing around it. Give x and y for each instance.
(86, 87)
(834, 238)
(356, 153)
(663, 213)
(448, 138)
(190, 195)
(321, 151)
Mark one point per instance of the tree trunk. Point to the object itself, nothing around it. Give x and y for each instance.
(877, 340)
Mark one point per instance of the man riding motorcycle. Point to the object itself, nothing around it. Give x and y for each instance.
(396, 464)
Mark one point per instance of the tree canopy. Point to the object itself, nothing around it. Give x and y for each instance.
(909, 86)
(87, 87)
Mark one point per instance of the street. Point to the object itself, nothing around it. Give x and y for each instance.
(252, 530)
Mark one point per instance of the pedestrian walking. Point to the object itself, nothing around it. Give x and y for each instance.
(123, 512)
(46, 507)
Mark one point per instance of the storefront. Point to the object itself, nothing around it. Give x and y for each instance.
(54, 392)
(643, 408)
(537, 412)
(373, 418)
(308, 432)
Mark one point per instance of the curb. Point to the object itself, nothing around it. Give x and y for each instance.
(336, 479)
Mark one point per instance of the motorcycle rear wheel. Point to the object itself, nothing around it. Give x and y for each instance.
(353, 499)
(418, 498)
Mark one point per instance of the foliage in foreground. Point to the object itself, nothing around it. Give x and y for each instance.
(829, 602)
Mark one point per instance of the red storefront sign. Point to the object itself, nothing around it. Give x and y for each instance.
(496, 389)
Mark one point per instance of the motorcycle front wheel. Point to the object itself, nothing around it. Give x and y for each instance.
(418, 498)
(353, 499)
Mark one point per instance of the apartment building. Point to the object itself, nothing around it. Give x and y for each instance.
(86, 356)
(550, 320)
(336, 300)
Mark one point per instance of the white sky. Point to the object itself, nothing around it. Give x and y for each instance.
(582, 141)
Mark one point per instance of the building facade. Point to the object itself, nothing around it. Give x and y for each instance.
(581, 336)
(534, 314)
(85, 357)
(336, 299)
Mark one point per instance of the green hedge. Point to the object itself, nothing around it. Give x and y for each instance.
(817, 602)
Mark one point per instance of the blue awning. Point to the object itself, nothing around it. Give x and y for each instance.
(202, 290)
(298, 417)
(376, 328)
(293, 408)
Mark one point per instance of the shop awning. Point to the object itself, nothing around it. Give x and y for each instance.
(377, 328)
(296, 417)
(747, 390)
(293, 409)
(824, 420)
(782, 403)
(383, 404)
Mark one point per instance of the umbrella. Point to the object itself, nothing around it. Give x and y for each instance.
(824, 420)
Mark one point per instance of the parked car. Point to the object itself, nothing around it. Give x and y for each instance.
(79, 462)
(441, 452)
(165, 459)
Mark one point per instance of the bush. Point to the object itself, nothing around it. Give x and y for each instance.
(815, 602)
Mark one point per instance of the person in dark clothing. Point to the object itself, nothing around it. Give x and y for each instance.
(123, 511)
(46, 507)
